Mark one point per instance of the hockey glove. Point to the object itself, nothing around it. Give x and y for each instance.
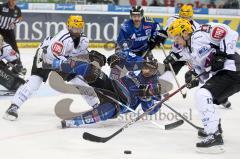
(149, 90)
(96, 56)
(155, 40)
(56, 64)
(115, 59)
(218, 61)
(190, 79)
(171, 58)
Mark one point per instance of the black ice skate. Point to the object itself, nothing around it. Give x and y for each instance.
(203, 134)
(12, 113)
(213, 143)
(226, 104)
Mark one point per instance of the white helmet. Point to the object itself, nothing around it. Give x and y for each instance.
(1, 40)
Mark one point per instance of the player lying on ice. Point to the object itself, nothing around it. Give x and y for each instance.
(9, 70)
(212, 46)
(140, 87)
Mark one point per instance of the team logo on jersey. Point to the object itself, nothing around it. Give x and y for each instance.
(5, 9)
(57, 48)
(203, 50)
(133, 36)
(218, 33)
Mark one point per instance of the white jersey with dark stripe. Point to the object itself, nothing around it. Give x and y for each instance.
(170, 20)
(7, 53)
(201, 50)
(61, 46)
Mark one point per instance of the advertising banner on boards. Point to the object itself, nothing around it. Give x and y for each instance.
(98, 28)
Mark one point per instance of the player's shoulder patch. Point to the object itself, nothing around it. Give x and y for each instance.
(148, 19)
(206, 28)
(57, 48)
(218, 33)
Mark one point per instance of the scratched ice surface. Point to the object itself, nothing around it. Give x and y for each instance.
(36, 134)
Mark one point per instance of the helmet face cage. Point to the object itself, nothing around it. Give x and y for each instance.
(151, 66)
(136, 10)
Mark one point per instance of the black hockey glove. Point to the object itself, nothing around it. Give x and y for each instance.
(98, 57)
(146, 90)
(190, 79)
(115, 59)
(218, 61)
(155, 40)
(171, 58)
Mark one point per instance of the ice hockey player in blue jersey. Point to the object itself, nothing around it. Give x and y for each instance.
(142, 87)
(137, 36)
(140, 33)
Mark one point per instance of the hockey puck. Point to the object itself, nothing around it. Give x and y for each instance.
(127, 152)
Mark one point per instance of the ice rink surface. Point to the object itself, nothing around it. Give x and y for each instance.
(36, 134)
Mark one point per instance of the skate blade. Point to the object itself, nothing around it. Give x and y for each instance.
(9, 117)
(211, 150)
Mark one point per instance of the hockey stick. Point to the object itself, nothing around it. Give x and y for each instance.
(180, 115)
(174, 75)
(94, 138)
(57, 83)
(163, 127)
(137, 83)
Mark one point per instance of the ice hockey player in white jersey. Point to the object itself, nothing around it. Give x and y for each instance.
(9, 77)
(70, 42)
(185, 12)
(212, 46)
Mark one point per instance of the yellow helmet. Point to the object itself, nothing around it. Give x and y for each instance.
(186, 11)
(178, 26)
(75, 21)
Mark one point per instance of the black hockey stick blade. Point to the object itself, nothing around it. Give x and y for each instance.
(94, 138)
(91, 137)
(174, 125)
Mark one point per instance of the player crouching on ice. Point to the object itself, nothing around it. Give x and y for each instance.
(143, 87)
(212, 46)
(9, 71)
